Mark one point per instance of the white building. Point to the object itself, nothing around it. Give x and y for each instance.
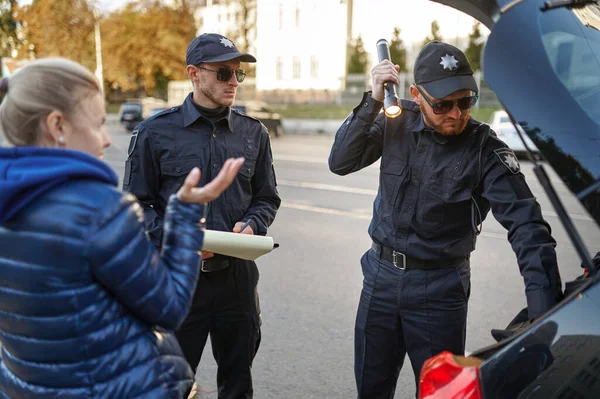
(300, 45)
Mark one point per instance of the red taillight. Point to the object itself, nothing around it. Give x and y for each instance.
(448, 377)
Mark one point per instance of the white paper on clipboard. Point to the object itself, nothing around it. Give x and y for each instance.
(243, 246)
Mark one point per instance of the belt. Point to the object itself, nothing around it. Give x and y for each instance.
(215, 264)
(404, 262)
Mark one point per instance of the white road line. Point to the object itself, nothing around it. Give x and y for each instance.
(326, 187)
(373, 193)
(367, 216)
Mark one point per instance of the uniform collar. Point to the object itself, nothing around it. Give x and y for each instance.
(191, 113)
(419, 126)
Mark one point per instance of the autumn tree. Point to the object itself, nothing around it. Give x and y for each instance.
(398, 50)
(61, 28)
(475, 48)
(434, 34)
(144, 45)
(243, 32)
(8, 27)
(357, 63)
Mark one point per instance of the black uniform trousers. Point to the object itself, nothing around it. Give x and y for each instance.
(419, 312)
(225, 305)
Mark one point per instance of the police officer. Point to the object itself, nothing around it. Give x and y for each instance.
(204, 131)
(441, 173)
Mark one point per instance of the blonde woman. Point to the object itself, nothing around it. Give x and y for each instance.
(86, 302)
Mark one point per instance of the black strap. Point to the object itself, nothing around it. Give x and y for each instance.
(404, 262)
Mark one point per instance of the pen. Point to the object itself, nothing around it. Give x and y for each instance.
(245, 225)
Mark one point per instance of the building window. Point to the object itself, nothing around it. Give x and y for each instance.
(279, 69)
(297, 17)
(280, 16)
(296, 69)
(314, 67)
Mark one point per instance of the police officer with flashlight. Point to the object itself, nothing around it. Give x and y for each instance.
(441, 173)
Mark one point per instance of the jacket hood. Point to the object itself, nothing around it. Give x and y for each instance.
(27, 172)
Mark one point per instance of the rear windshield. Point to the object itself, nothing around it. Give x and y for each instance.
(573, 49)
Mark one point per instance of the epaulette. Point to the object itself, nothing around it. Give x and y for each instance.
(409, 105)
(163, 113)
(242, 113)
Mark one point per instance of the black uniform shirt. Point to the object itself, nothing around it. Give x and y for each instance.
(164, 149)
(434, 190)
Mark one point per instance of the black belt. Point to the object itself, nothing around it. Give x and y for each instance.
(215, 264)
(404, 262)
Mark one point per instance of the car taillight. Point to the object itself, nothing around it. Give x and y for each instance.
(446, 376)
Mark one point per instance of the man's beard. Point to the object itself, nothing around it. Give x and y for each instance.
(439, 127)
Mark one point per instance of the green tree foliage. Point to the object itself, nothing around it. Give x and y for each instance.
(357, 64)
(398, 50)
(144, 45)
(61, 28)
(434, 34)
(475, 48)
(8, 27)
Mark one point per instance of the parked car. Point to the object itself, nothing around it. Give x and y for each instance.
(550, 84)
(135, 110)
(260, 110)
(506, 131)
(130, 114)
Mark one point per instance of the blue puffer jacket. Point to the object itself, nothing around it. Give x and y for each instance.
(86, 303)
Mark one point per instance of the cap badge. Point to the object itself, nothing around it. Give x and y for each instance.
(449, 62)
(226, 42)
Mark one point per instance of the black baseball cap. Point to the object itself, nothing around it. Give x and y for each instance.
(211, 47)
(443, 69)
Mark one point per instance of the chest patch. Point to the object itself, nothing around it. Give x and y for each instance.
(509, 159)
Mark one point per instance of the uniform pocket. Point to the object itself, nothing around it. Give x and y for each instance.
(394, 176)
(445, 208)
(173, 172)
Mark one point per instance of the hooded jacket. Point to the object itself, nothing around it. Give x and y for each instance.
(86, 302)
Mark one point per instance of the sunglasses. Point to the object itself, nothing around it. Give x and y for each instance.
(443, 107)
(224, 73)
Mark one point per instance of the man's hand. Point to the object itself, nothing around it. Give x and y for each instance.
(201, 195)
(239, 225)
(383, 72)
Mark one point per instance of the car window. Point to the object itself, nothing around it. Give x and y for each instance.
(131, 108)
(574, 54)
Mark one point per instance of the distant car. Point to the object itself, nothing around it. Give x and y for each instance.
(135, 110)
(261, 111)
(501, 124)
(130, 114)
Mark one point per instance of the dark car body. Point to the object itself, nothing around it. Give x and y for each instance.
(261, 111)
(130, 114)
(542, 59)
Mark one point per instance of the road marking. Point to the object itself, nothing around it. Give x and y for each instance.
(326, 187)
(367, 216)
(371, 192)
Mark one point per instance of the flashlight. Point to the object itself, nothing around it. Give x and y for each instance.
(391, 103)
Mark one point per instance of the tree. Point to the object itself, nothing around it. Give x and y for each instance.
(8, 27)
(398, 50)
(475, 48)
(144, 45)
(358, 58)
(68, 33)
(435, 33)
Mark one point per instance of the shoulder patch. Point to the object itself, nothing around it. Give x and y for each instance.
(509, 159)
(132, 142)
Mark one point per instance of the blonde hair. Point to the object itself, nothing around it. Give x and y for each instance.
(39, 88)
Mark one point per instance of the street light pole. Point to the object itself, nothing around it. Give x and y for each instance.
(99, 74)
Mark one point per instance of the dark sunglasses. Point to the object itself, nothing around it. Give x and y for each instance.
(443, 107)
(224, 73)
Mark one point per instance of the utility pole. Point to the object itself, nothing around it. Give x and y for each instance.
(349, 7)
(99, 74)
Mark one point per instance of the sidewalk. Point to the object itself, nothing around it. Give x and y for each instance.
(290, 126)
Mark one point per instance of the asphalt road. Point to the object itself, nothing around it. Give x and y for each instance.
(310, 286)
